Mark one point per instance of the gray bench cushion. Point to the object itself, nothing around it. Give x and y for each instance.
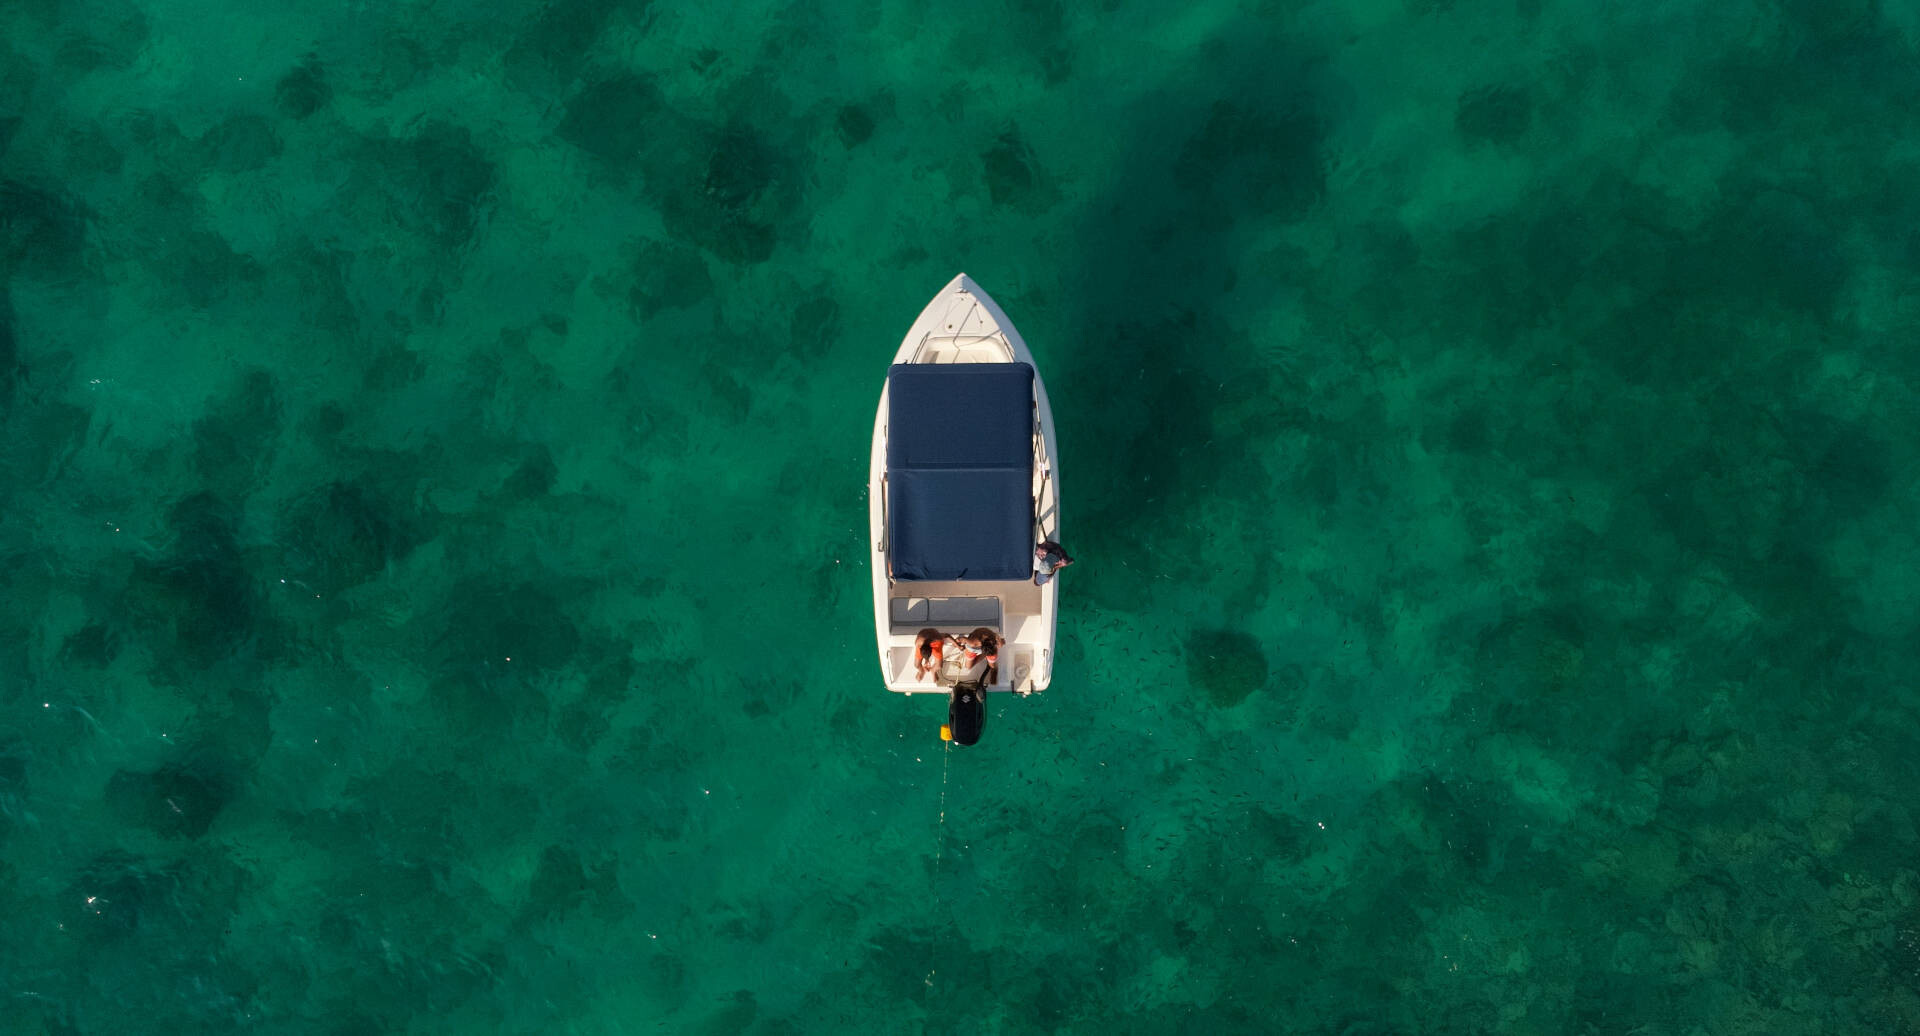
(911, 614)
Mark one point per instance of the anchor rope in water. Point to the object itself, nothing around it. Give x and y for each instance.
(939, 850)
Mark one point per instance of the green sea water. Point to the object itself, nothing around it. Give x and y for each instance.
(433, 565)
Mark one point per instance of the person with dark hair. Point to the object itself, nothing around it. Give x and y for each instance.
(1048, 558)
(981, 643)
(928, 650)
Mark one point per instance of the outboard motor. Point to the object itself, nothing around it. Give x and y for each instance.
(967, 712)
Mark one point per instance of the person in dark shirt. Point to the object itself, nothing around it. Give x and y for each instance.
(1048, 558)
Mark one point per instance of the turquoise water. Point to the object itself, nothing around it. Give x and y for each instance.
(432, 509)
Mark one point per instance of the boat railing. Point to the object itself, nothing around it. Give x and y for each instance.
(1040, 491)
(1039, 516)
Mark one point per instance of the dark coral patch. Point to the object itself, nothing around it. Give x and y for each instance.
(1009, 169)
(667, 275)
(564, 882)
(507, 629)
(436, 184)
(740, 169)
(615, 118)
(12, 371)
(239, 143)
(112, 35)
(814, 327)
(1228, 664)
(534, 476)
(854, 124)
(40, 229)
(94, 645)
(1493, 115)
(236, 440)
(343, 534)
(108, 899)
(547, 55)
(304, 90)
(200, 597)
(174, 801)
(1256, 160)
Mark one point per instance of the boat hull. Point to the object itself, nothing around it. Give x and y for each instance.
(962, 324)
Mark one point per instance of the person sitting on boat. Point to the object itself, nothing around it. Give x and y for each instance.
(1048, 558)
(971, 646)
(982, 643)
(928, 650)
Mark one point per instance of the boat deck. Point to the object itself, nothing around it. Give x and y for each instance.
(1019, 625)
(1016, 661)
(964, 349)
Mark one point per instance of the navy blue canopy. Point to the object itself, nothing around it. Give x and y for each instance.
(960, 470)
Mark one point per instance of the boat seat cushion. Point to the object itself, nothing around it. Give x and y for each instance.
(912, 614)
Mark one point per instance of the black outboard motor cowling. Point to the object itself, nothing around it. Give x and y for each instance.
(967, 712)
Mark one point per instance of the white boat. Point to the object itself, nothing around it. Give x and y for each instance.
(962, 489)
